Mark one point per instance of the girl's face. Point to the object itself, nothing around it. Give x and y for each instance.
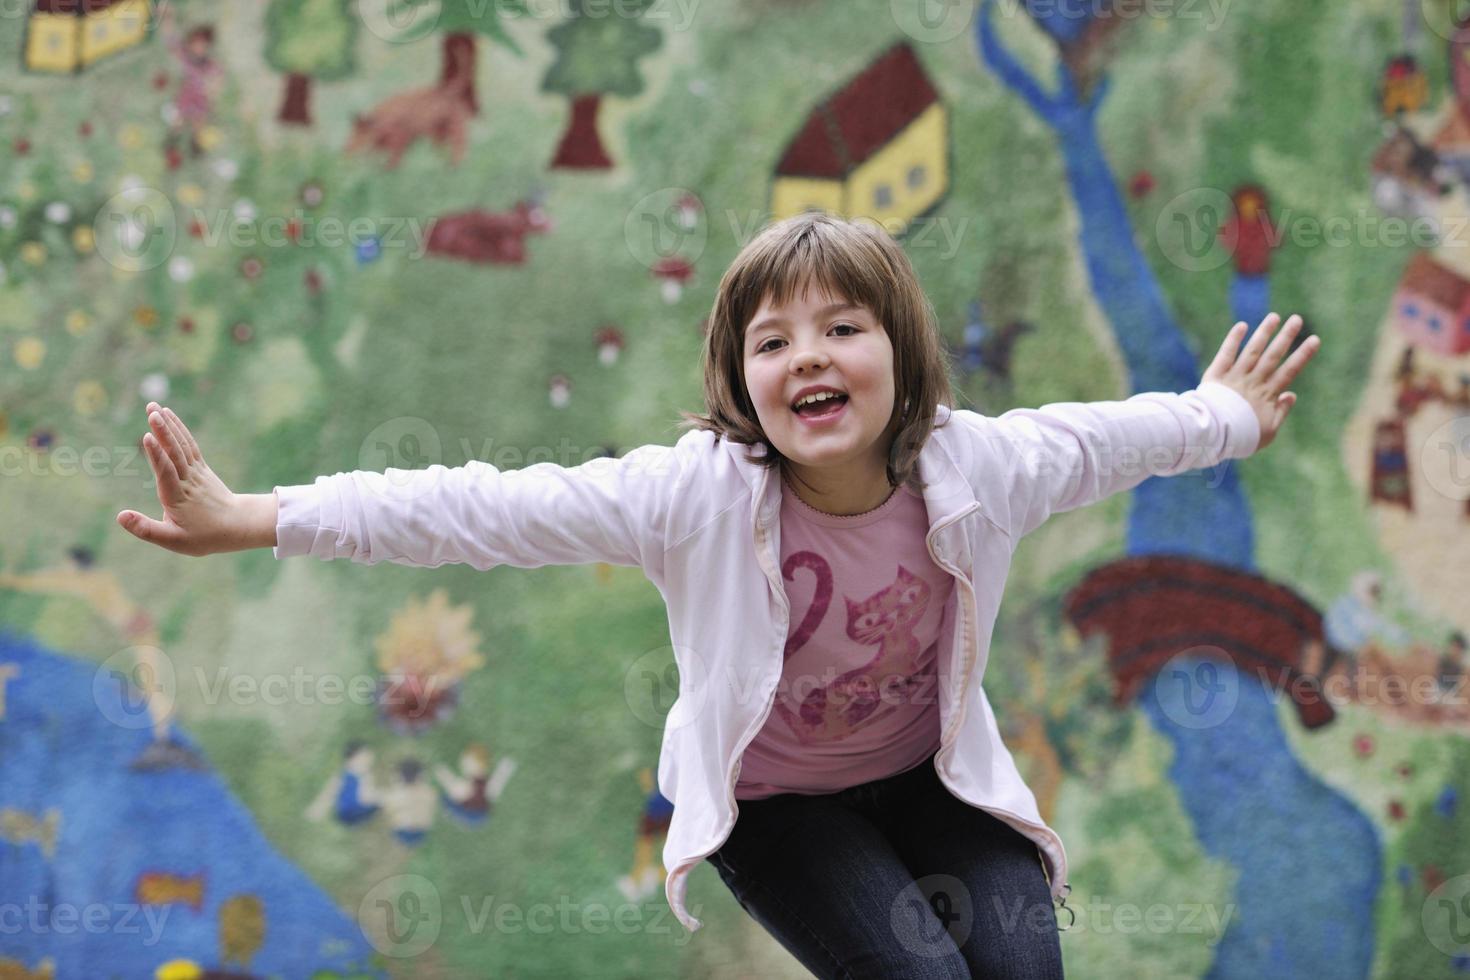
(820, 339)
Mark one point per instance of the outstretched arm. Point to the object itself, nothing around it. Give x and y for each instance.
(1066, 455)
(605, 510)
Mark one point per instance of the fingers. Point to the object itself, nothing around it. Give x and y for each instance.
(183, 438)
(1257, 343)
(1305, 351)
(164, 432)
(186, 438)
(1280, 345)
(178, 445)
(147, 529)
(169, 441)
(1283, 406)
(163, 469)
(1229, 347)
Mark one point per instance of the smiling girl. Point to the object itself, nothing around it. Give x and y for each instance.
(832, 540)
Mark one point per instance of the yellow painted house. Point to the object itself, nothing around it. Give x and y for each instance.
(877, 148)
(72, 35)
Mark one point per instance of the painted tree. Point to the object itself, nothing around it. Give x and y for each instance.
(596, 56)
(462, 23)
(1251, 800)
(306, 40)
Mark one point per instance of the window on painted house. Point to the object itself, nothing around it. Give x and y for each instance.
(916, 176)
(882, 196)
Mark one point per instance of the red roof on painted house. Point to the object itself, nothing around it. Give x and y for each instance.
(1441, 285)
(852, 124)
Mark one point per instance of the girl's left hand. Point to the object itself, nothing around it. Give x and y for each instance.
(1255, 373)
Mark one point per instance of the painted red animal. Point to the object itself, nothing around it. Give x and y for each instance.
(491, 238)
(399, 122)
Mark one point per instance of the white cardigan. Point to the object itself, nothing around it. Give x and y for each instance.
(702, 523)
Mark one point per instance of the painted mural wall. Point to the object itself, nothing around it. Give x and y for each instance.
(339, 235)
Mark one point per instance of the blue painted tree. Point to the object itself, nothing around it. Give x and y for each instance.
(1308, 861)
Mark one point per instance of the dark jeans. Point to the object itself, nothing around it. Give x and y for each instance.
(893, 878)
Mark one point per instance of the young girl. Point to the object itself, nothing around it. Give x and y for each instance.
(837, 762)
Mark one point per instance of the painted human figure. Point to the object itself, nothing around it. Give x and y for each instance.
(103, 591)
(648, 871)
(351, 795)
(1353, 620)
(410, 804)
(470, 794)
(200, 77)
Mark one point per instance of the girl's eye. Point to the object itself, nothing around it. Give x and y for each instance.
(838, 326)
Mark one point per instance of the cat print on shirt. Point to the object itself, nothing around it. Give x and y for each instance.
(887, 619)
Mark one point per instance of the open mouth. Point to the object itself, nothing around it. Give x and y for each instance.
(826, 409)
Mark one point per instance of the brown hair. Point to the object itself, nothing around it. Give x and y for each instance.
(860, 262)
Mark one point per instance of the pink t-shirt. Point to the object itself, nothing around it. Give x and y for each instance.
(859, 693)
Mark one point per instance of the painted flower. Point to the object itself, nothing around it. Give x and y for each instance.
(30, 352)
(78, 322)
(89, 398)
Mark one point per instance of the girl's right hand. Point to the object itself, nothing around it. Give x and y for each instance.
(201, 516)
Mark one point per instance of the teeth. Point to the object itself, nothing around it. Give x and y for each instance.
(818, 397)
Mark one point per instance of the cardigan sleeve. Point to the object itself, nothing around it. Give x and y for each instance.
(1069, 454)
(607, 509)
